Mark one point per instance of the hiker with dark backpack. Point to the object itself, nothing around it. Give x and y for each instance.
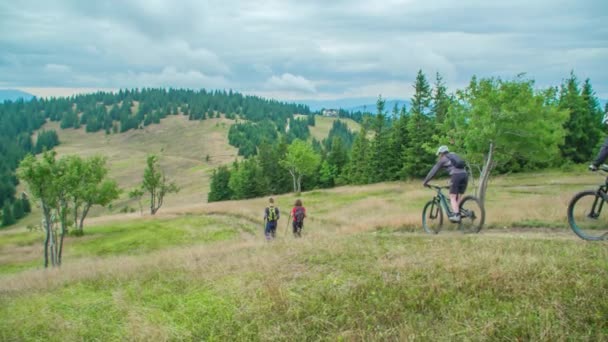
(458, 177)
(298, 213)
(271, 216)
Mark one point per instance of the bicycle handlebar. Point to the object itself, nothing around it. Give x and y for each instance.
(437, 187)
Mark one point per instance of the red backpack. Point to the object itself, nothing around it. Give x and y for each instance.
(299, 214)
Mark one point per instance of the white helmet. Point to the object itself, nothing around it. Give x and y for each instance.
(442, 149)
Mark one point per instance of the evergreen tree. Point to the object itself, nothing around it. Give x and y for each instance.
(378, 156)
(398, 140)
(582, 127)
(338, 156)
(18, 212)
(7, 214)
(594, 110)
(271, 170)
(420, 129)
(357, 168)
(327, 175)
(246, 181)
(46, 140)
(421, 101)
(441, 100)
(311, 120)
(219, 189)
(25, 203)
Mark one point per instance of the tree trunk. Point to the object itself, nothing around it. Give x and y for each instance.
(152, 200)
(52, 246)
(60, 252)
(63, 217)
(76, 216)
(299, 184)
(293, 176)
(47, 236)
(485, 175)
(85, 212)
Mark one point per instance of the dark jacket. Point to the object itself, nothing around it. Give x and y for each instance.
(443, 162)
(602, 155)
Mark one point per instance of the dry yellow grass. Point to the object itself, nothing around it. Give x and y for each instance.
(182, 144)
(323, 125)
(363, 271)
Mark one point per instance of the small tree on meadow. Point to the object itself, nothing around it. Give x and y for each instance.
(300, 160)
(156, 184)
(39, 174)
(62, 187)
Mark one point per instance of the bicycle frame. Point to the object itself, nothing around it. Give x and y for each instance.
(596, 209)
(441, 199)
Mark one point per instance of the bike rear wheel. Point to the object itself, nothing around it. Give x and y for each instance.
(588, 216)
(472, 215)
(432, 217)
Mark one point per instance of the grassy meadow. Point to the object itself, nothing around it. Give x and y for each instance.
(323, 125)
(364, 270)
(183, 146)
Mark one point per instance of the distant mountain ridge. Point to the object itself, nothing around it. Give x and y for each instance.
(13, 95)
(388, 106)
(363, 104)
(369, 104)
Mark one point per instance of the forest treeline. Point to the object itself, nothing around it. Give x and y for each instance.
(521, 126)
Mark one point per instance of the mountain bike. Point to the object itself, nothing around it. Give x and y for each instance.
(472, 213)
(586, 214)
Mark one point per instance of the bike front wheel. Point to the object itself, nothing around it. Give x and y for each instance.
(587, 216)
(472, 215)
(432, 217)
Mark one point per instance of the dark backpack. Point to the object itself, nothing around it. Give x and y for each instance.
(299, 214)
(272, 213)
(456, 161)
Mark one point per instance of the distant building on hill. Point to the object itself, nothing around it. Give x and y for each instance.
(330, 112)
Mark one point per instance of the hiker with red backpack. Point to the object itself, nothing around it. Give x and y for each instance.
(298, 213)
(271, 216)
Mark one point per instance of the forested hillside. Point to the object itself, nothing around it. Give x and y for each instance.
(115, 113)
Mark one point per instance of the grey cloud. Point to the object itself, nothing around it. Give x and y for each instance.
(299, 48)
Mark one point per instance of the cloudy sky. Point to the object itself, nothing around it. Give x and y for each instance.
(289, 50)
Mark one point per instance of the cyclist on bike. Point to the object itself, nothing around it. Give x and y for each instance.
(603, 154)
(458, 176)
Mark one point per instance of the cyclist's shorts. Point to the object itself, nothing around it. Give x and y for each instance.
(459, 183)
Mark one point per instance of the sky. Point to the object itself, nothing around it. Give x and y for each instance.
(293, 50)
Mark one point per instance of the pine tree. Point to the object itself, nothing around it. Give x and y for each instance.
(421, 101)
(271, 170)
(398, 140)
(582, 132)
(219, 189)
(441, 100)
(338, 156)
(594, 111)
(18, 212)
(7, 214)
(420, 129)
(357, 168)
(378, 156)
(27, 208)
